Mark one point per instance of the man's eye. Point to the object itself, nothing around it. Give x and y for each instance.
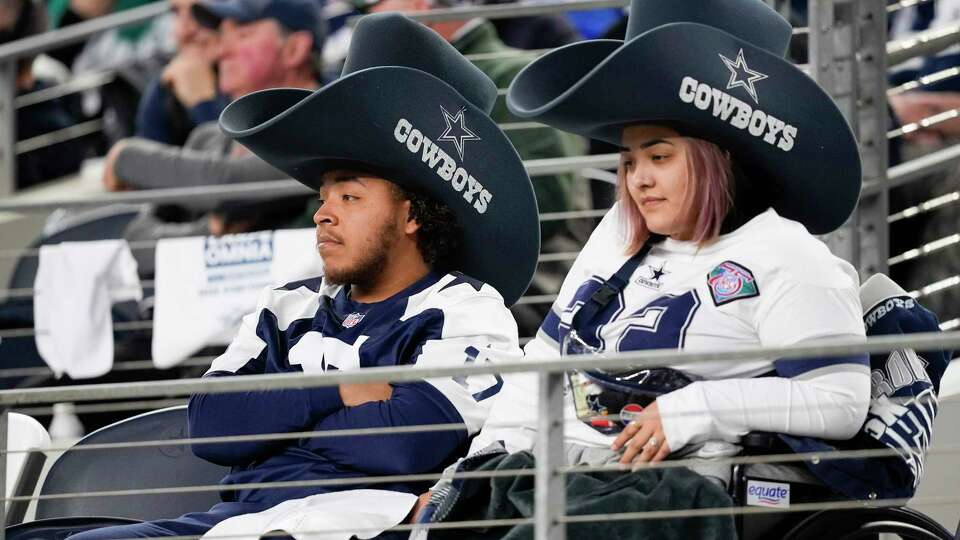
(349, 198)
(320, 202)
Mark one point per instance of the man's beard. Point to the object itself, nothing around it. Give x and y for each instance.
(366, 272)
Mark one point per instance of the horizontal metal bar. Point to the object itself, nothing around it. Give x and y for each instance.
(75, 33)
(939, 118)
(61, 135)
(897, 6)
(924, 207)
(506, 11)
(925, 249)
(926, 80)
(650, 358)
(926, 43)
(91, 408)
(425, 477)
(84, 81)
(255, 190)
(912, 170)
(936, 287)
(133, 365)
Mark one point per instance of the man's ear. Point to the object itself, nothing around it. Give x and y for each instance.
(410, 225)
(297, 49)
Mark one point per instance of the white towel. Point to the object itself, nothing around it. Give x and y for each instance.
(359, 513)
(76, 284)
(205, 285)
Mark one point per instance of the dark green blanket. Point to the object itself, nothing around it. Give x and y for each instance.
(587, 493)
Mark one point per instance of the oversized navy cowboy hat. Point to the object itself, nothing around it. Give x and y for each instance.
(413, 110)
(713, 69)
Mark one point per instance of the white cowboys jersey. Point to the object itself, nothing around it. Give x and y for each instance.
(769, 283)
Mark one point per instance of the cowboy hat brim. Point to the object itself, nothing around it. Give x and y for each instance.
(415, 130)
(777, 123)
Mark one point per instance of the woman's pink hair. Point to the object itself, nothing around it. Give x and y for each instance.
(710, 172)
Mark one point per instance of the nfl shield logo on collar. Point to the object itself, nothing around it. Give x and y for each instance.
(730, 281)
(353, 319)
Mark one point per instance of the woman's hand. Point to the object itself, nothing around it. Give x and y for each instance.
(643, 440)
(417, 508)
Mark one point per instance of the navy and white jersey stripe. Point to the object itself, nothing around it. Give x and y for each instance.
(315, 327)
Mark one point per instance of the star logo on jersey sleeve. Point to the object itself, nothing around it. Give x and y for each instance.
(742, 76)
(457, 131)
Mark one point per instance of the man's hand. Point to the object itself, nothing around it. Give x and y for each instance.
(111, 182)
(190, 76)
(358, 394)
(643, 440)
(417, 508)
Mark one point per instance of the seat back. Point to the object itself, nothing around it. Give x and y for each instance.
(26, 441)
(148, 467)
(107, 223)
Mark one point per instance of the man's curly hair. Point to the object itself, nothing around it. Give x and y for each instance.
(440, 236)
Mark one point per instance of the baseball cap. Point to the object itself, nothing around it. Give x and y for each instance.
(294, 15)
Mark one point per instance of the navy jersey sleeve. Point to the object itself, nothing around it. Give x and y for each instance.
(477, 328)
(411, 404)
(257, 350)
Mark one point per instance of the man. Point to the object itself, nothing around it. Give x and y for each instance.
(264, 44)
(185, 94)
(422, 202)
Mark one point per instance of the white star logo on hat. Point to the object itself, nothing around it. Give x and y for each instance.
(738, 69)
(460, 122)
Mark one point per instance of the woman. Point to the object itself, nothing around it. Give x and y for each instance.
(731, 158)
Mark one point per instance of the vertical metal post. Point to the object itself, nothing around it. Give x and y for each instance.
(550, 494)
(872, 121)
(8, 131)
(4, 445)
(848, 59)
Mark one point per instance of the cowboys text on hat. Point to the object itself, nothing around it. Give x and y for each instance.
(738, 113)
(444, 165)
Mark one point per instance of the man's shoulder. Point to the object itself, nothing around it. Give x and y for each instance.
(455, 291)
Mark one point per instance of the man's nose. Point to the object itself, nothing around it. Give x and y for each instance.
(323, 215)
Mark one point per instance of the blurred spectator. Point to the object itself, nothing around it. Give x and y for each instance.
(537, 32)
(19, 19)
(186, 94)
(940, 96)
(135, 54)
(263, 44)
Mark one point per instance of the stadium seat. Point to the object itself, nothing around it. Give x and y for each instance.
(26, 440)
(146, 467)
(110, 469)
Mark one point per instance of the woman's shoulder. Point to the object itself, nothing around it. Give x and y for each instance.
(781, 246)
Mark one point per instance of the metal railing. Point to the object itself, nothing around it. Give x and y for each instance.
(550, 467)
